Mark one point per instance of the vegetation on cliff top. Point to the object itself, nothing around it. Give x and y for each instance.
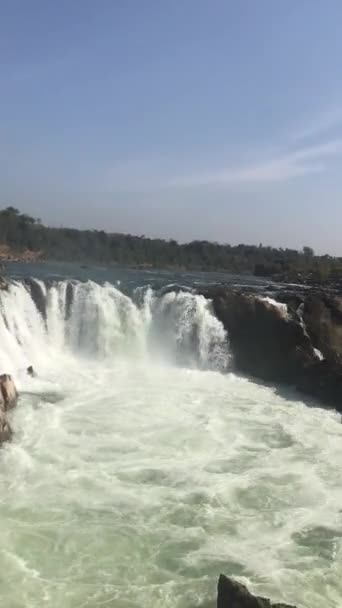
(20, 232)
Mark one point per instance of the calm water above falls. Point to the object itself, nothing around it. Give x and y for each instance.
(139, 471)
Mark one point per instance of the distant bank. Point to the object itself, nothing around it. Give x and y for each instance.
(25, 238)
(8, 254)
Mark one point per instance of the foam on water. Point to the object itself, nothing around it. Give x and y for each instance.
(139, 472)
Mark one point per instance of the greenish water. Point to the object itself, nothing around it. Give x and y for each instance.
(139, 471)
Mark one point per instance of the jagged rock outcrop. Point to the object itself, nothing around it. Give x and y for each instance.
(267, 340)
(322, 315)
(231, 594)
(8, 400)
(293, 337)
(8, 392)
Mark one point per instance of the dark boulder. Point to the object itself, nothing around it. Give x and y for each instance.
(266, 338)
(322, 315)
(231, 594)
(292, 337)
(323, 381)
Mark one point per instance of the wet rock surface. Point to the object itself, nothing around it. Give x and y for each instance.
(8, 400)
(231, 594)
(291, 336)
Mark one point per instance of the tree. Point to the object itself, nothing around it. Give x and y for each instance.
(11, 211)
(20, 231)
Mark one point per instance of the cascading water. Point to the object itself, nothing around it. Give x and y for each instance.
(138, 471)
(91, 320)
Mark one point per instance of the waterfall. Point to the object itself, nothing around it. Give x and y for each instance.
(39, 321)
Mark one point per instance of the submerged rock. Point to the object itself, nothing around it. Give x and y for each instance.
(231, 594)
(5, 428)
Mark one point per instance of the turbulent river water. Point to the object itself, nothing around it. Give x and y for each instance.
(142, 466)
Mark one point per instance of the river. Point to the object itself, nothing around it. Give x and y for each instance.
(142, 466)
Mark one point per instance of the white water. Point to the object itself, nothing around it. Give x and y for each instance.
(138, 472)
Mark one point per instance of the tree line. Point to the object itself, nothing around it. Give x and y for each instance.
(20, 232)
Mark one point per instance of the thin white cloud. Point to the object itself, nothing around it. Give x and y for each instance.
(321, 150)
(324, 122)
(299, 156)
(282, 167)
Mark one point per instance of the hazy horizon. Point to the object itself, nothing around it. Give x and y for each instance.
(212, 120)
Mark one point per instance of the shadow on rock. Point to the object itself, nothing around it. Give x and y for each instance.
(295, 339)
(231, 594)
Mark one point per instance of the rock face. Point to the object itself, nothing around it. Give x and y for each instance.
(231, 594)
(293, 337)
(266, 340)
(8, 400)
(323, 318)
(8, 392)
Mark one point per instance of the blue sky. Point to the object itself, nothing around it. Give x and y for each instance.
(194, 119)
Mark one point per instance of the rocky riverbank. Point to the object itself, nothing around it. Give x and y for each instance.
(7, 254)
(285, 335)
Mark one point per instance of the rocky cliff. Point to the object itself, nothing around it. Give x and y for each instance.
(289, 336)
